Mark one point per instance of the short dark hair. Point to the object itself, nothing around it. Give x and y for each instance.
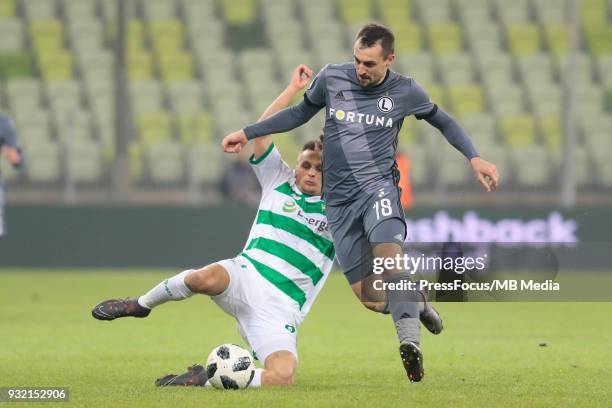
(373, 33)
(314, 145)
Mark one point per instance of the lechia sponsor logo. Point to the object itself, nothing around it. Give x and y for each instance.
(553, 229)
(289, 206)
(356, 117)
(319, 224)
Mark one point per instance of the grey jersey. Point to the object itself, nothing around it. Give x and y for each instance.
(361, 128)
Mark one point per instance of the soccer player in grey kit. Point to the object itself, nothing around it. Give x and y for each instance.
(9, 149)
(366, 105)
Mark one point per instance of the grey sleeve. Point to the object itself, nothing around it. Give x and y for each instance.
(8, 134)
(452, 131)
(283, 121)
(417, 101)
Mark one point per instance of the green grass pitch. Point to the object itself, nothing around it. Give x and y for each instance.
(488, 355)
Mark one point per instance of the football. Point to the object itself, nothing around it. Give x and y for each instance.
(230, 367)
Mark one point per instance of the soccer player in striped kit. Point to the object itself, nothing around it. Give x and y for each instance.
(271, 285)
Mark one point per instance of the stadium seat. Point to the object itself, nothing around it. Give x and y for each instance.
(516, 11)
(583, 71)
(165, 162)
(599, 39)
(581, 166)
(205, 163)
(39, 8)
(56, 66)
(604, 68)
(73, 125)
(238, 12)
(456, 69)
(419, 66)
(484, 38)
(557, 38)
(545, 100)
(453, 171)
(495, 68)
(550, 128)
(419, 160)
(506, 99)
(80, 10)
(481, 129)
(408, 38)
(434, 11)
(523, 39)
(140, 66)
(146, 96)
(154, 127)
(44, 164)
(159, 9)
(176, 67)
(84, 161)
(355, 11)
(23, 88)
(197, 127)
(444, 38)
(395, 13)
(518, 130)
(7, 8)
(532, 166)
(466, 99)
(551, 11)
(11, 35)
(473, 11)
(186, 96)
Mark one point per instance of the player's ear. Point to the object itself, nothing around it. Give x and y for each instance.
(390, 58)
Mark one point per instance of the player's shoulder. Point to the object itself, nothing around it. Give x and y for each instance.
(338, 69)
(404, 80)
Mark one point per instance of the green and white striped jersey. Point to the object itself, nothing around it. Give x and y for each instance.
(289, 244)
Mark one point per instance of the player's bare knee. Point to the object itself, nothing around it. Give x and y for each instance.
(284, 375)
(200, 280)
(374, 306)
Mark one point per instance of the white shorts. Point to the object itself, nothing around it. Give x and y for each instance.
(265, 320)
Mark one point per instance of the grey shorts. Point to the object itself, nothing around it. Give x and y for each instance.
(359, 225)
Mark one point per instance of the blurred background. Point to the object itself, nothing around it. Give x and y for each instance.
(125, 103)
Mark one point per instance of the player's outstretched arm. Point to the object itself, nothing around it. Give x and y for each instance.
(281, 122)
(486, 173)
(299, 79)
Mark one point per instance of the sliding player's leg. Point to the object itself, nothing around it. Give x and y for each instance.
(210, 280)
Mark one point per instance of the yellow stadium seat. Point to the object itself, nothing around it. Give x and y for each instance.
(140, 66)
(445, 38)
(7, 8)
(395, 13)
(550, 128)
(599, 39)
(166, 35)
(134, 35)
(56, 65)
(177, 66)
(436, 94)
(355, 11)
(466, 99)
(557, 38)
(523, 38)
(518, 130)
(408, 38)
(197, 127)
(407, 134)
(238, 12)
(154, 127)
(593, 12)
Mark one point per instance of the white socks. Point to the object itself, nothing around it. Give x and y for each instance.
(170, 289)
(256, 383)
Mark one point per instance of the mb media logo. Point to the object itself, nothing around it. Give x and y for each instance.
(289, 206)
(385, 104)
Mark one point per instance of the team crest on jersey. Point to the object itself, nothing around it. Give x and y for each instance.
(385, 104)
(289, 206)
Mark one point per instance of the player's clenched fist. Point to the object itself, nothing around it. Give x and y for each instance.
(233, 142)
(300, 77)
